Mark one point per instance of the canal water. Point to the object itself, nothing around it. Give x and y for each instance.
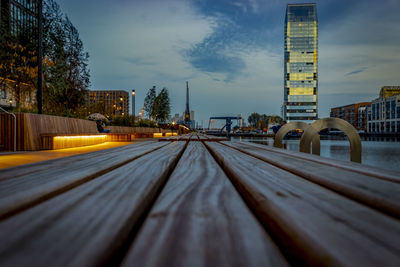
(381, 154)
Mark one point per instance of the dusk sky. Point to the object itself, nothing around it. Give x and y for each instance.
(231, 52)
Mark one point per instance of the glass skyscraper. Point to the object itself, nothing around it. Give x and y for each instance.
(301, 63)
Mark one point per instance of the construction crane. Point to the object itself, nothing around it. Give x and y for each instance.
(228, 122)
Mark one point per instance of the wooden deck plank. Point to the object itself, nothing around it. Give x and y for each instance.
(366, 189)
(37, 182)
(389, 175)
(315, 225)
(200, 220)
(12, 172)
(87, 225)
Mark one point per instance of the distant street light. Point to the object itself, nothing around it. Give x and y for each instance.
(133, 103)
(172, 127)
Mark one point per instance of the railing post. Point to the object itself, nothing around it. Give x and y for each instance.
(15, 127)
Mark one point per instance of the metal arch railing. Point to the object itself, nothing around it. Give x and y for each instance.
(354, 138)
(311, 135)
(293, 126)
(15, 127)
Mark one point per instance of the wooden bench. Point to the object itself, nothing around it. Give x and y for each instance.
(59, 141)
(198, 204)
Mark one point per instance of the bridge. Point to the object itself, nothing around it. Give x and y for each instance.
(228, 122)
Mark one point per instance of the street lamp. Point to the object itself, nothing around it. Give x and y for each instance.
(172, 127)
(39, 93)
(10, 103)
(133, 103)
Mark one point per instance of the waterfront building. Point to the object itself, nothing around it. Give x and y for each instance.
(384, 113)
(27, 98)
(355, 114)
(108, 102)
(301, 63)
(18, 18)
(181, 119)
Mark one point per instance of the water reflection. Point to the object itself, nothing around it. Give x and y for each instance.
(379, 152)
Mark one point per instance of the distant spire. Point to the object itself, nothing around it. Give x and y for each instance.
(187, 111)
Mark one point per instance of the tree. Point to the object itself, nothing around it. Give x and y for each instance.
(149, 102)
(254, 119)
(66, 73)
(162, 109)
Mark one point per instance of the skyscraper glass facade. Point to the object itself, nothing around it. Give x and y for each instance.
(301, 63)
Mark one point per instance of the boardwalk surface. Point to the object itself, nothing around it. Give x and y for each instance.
(198, 201)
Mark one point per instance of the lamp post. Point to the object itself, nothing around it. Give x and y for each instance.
(39, 94)
(172, 127)
(133, 103)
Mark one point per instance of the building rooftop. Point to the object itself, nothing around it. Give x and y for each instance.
(388, 91)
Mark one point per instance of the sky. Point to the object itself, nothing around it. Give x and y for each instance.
(231, 52)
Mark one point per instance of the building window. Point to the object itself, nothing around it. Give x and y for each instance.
(28, 97)
(3, 94)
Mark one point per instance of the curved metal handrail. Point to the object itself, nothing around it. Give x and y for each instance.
(15, 127)
(292, 126)
(355, 141)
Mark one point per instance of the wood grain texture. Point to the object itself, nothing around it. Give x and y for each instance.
(23, 186)
(13, 172)
(123, 129)
(7, 132)
(87, 225)
(393, 176)
(200, 220)
(364, 188)
(315, 225)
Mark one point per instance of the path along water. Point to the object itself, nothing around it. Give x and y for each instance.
(381, 154)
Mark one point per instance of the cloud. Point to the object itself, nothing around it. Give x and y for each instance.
(138, 61)
(232, 51)
(356, 71)
(237, 27)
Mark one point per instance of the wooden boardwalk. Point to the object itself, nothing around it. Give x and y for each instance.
(204, 203)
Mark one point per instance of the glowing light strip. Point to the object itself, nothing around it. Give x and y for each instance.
(80, 137)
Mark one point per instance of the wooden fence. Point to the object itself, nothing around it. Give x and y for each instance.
(31, 126)
(7, 132)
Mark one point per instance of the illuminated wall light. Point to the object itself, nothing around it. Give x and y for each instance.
(156, 135)
(80, 136)
(60, 142)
